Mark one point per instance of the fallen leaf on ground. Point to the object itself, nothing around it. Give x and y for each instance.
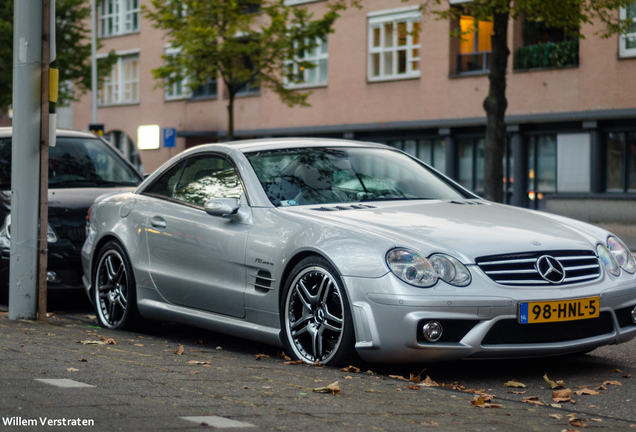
(108, 341)
(294, 362)
(350, 368)
(532, 400)
(415, 378)
(596, 420)
(517, 392)
(583, 387)
(139, 344)
(556, 416)
(553, 384)
(219, 348)
(282, 355)
(556, 405)
(197, 362)
(627, 376)
(92, 342)
(615, 371)
(585, 392)
(260, 356)
(333, 388)
(400, 377)
(82, 360)
(414, 387)
(429, 382)
(90, 316)
(601, 387)
(632, 426)
(578, 423)
(616, 383)
(430, 423)
(564, 395)
(479, 401)
(514, 384)
(195, 372)
(72, 370)
(398, 389)
(348, 377)
(179, 350)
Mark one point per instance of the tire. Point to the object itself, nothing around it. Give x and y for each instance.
(114, 289)
(316, 316)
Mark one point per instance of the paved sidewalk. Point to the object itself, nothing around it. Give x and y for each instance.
(140, 384)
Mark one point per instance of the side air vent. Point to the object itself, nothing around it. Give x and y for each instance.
(344, 207)
(262, 281)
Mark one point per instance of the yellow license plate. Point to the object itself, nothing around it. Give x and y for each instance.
(560, 310)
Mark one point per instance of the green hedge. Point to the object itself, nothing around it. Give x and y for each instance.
(548, 55)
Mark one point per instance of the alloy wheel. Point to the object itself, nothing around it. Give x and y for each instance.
(314, 315)
(111, 284)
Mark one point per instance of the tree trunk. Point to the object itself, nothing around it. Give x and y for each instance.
(495, 105)
(230, 115)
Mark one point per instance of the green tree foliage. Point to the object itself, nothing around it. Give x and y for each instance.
(72, 47)
(242, 41)
(568, 15)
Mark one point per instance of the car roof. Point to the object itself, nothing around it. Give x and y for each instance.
(265, 144)
(6, 132)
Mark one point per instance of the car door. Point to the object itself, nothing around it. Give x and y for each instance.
(197, 260)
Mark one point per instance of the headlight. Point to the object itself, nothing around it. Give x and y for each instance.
(412, 268)
(608, 260)
(622, 254)
(51, 237)
(416, 270)
(450, 270)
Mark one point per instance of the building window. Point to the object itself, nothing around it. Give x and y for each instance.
(472, 153)
(394, 46)
(628, 40)
(126, 146)
(542, 167)
(117, 17)
(178, 90)
(121, 86)
(545, 47)
(309, 77)
(621, 161)
(206, 91)
(475, 45)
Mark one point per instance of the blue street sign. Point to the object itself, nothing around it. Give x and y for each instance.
(169, 137)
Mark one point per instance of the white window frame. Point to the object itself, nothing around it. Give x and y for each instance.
(409, 15)
(316, 58)
(123, 17)
(125, 90)
(185, 94)
(623, 51)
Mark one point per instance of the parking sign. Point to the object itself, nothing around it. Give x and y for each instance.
(169, 137)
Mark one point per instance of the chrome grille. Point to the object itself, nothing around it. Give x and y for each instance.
(520, 268)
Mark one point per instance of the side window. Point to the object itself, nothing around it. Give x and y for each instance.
(207, 177)
(164, 186)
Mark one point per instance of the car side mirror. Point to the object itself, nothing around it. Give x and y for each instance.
(221, 206)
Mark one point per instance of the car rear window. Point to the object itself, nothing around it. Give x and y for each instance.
(77, 162)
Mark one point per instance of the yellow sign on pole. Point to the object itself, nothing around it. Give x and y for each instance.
(54, 78)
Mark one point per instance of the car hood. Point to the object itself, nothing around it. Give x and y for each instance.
(466, 229)
(69, 201)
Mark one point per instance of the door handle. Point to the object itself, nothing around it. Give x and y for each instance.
(158, 222)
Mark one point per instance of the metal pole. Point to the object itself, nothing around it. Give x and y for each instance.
(44, 161)
(93, 64)
(25, 159)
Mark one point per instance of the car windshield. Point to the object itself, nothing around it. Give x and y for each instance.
(342, 175)
(77, 162)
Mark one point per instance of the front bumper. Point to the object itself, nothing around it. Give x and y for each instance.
(480, 321)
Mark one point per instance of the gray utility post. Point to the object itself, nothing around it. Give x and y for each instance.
(25, 160)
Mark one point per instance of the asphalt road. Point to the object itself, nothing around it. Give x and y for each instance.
(444, 408)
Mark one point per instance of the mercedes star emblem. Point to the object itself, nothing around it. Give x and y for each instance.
(550, 269)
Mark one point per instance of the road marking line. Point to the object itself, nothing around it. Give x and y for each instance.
(218, 422)
(64, 382)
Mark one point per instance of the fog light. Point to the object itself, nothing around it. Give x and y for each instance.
(433, 330)
(52, 277)
(634, 315)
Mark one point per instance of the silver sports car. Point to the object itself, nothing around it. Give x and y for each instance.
(333, 249)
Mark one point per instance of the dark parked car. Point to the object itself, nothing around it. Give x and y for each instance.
(82, 167)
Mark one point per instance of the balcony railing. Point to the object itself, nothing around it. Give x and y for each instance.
(550, 55)
(473, 62)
